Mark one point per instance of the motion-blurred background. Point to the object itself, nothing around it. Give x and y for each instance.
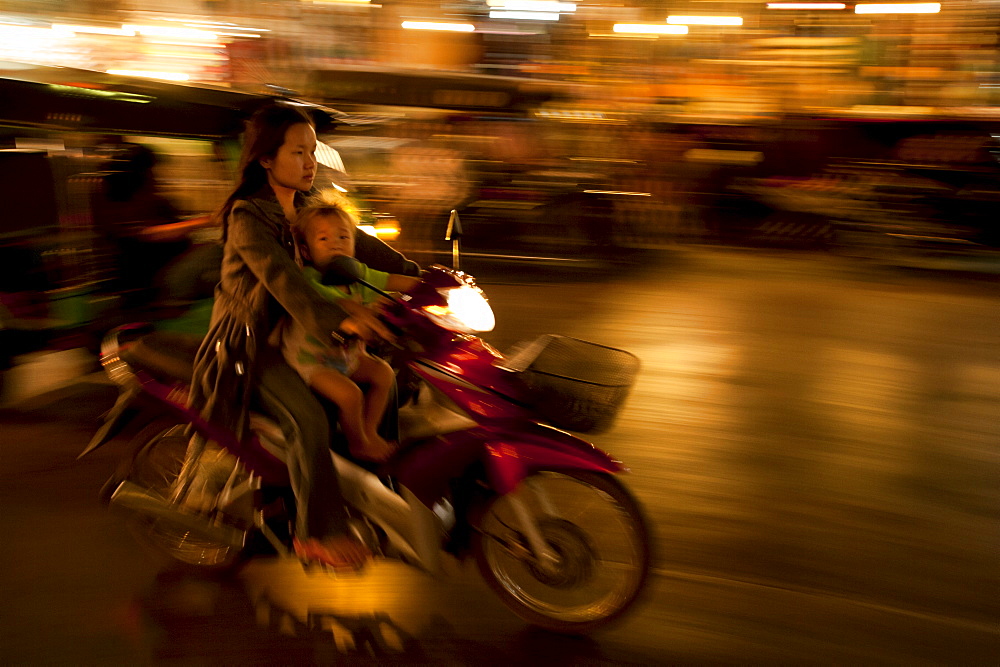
(565, 135)
(788, 211)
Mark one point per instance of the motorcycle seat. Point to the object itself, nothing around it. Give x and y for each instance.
(166, 355)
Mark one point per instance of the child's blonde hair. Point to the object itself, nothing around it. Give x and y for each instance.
(321, 204)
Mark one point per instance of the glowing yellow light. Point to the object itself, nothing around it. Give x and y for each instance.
(386, 233)
(215, 26)
(716, 156)
(806, 5)
(912, 8)
(177, 33)
(705, 20)
(622, 35)
(159, 51)
(15, 36)
(91, 29)
(166, 76)
(650, 29)
(238, 34)
(533, 5)
(575, 114)
(433, 25)
(528, 16)
(470, 309)
(621, 193)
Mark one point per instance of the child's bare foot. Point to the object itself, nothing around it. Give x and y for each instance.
(378, 450)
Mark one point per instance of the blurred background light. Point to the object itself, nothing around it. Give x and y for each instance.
(386, 233)
(524, 15)
(168, 31)
(911, 8)
(806, 5)
(619, 193)
(705, 20)
(650, 29)
(216, 26)
(624, 35)
(435, 25)
(533, 5)
(166, 76)
(575, 114)
(33, 44)
(92, 30)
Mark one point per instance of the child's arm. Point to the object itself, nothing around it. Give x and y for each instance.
(399, 283)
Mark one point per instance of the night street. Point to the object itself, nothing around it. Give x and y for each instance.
(815, 440)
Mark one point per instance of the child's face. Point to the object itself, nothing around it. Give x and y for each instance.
(329, 236)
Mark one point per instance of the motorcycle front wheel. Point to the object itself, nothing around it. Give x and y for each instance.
(158, 455)
(599, 541)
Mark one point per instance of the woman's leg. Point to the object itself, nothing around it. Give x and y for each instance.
(321, 525)
(283, 395)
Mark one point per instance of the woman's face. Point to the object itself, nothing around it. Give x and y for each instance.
(293, 167)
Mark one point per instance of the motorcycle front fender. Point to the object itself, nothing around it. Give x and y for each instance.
(515, 456)
(508, 453)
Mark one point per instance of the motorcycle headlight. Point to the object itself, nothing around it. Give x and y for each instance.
(467, 310)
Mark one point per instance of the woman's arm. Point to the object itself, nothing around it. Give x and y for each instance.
(398, 283)
(379, 255)
(389, 282)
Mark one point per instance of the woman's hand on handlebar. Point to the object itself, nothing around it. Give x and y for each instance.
(363, 322)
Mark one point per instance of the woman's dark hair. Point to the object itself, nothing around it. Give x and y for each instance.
(264, 135)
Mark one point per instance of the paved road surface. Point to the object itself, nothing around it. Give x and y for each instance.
(815, 441)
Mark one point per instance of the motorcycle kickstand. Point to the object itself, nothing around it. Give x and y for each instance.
(272, 538)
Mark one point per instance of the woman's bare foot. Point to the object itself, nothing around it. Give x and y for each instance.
(377, 450)
(340, 552)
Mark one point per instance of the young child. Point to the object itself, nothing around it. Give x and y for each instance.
(323, 231)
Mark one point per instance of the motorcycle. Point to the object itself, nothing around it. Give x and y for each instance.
(487, 467)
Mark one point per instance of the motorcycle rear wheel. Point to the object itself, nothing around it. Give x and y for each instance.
(600, 540)
(158, 454)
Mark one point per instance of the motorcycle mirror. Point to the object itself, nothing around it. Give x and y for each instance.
(454, 234)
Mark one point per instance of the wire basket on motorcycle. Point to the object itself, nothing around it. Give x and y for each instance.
(574, 384)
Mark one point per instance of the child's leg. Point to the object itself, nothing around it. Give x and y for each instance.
(378, 375)
(348, 396)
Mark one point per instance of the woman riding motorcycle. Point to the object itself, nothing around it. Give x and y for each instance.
(238, 366)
